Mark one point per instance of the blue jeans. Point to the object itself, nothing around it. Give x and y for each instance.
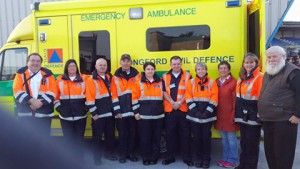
(230, 147)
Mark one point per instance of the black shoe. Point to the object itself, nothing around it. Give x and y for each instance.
(111, 157)
(199, 164)
(238, 167)
(122, 160)
(153, 162)
(146, 162)
(188, 162)
(97, 162)
(168, 161)
(205, 164)
(133, 158)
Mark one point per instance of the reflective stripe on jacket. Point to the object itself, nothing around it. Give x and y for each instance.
(180, 93)
(121, 88)
(202, 100)
(47, 93)
(150, 98)
(98, 97)
(71, 97)
(247, 93)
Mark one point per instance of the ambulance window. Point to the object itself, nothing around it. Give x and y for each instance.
(178, 38)
(11, 60)
(93, 45)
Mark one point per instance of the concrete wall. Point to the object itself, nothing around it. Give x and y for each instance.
(11, 13)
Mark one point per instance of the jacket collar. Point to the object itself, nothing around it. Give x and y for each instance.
(253, 73)
(170, 72)
(228, 79)
(45, 72)
(155, 77)
(78, 78)
(202, 81)
(96, 76)
(122, 74)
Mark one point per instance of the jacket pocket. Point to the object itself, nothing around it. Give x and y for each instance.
(270, 110)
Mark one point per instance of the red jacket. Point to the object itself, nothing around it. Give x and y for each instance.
(226, 105)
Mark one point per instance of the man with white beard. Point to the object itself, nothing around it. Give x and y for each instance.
(279, 110)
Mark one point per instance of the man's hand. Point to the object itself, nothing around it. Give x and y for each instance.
(39, 103)
(118, 116)
(33, 108)
(294, 120)
(35, 103)
(176, 105)
(96, 117)
(137, 116)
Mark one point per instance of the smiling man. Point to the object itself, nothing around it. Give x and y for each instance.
(278, 107)
(176, 108)
(34, 90)
(124, 107)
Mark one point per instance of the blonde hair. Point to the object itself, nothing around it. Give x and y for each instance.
(243, 71)
(201, 64)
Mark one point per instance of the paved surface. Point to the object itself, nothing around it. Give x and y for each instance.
(216, 156)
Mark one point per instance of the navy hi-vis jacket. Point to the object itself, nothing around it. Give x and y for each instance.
(202, 99)
(150, 98)
(121, 88)
(71, 97)
(99, 98)
(247, 93)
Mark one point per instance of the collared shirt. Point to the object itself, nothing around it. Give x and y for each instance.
(222, 81)
(72, 78)
(35, 83)
(176, 74)
(102, 76)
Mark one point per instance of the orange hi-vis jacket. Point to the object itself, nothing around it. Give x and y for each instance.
(150, 98)
(185, 76)
(121, 89)
(202, 99)
(46, 92)
(71, 97)
(98, 95)
(247, 93)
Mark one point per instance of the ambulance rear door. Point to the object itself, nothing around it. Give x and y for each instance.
(52, 42)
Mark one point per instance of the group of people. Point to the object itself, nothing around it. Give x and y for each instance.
(143, 105)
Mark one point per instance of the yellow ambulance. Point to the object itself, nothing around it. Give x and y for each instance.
(207, 31)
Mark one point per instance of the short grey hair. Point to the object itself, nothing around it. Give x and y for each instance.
(201, 64)
(276, 49)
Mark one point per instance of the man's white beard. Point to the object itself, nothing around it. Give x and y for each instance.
(274, 69)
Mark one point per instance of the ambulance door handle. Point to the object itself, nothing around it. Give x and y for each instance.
(43, 37)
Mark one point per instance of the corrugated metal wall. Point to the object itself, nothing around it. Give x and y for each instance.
(11, 13)
(274, 12)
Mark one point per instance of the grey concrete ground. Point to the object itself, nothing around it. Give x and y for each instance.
(216, 156)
